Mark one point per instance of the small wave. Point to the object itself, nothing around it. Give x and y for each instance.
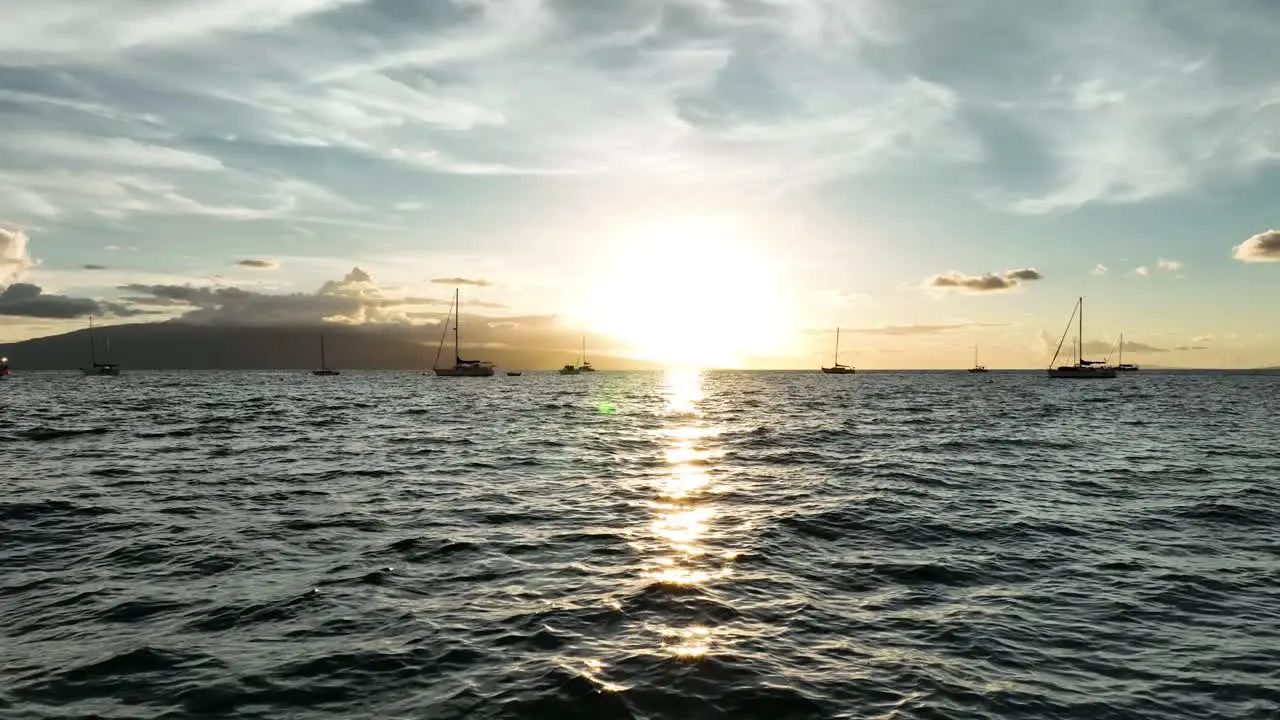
(226, 617)
(46, 434)
(418, 549)
(34, 511)
(136, 676)
(1230, 514)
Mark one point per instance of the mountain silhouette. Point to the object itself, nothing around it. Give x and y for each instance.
(184, 346)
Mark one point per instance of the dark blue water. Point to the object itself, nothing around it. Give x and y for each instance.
(682, 545)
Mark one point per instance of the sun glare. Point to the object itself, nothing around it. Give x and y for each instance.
(691, 293)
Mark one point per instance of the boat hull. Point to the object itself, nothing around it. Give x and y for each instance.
(838, 370)
(977, 370)
(464, 371)
(1082, 373)
(326, 373)
(101, 372)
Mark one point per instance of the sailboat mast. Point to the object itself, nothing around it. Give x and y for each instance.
(457, 320)
(93, 348)
(323, 364)
(1121, 348)
(443, 334)
(836, 360)
(1080, 335)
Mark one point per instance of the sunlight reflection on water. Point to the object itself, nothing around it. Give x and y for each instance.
(682, 516)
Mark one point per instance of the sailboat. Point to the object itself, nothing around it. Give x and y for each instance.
(1121, 365)
(461, 368)
(837, 368)
(976, 367)
(585, 366)
(1082, 369)
(324, 368)
(99, 369)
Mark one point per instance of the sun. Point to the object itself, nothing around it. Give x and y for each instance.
(689, 293)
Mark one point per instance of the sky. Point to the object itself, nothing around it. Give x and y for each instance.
(707, 182)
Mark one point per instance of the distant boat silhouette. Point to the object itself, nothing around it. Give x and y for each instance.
(4, 367)
(461, 368)
(584, 367)
(1082, 369)
(976, 367)
(514, 373)
(1121, 365)
(837, 368)
(99, 369)
(324, 367)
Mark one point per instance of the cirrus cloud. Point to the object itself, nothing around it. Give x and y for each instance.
(461, 281)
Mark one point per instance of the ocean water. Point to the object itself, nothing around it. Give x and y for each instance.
(647, 545)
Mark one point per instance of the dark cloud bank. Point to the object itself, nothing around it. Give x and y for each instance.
(31, 301)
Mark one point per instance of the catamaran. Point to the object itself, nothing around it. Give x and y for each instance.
(1082, 369)
(99, 369)
(461, 368)
(324, 368)
(837, 368)
(976, 367)
(585, 366)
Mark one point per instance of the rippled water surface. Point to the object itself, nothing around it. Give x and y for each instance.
(678, 545)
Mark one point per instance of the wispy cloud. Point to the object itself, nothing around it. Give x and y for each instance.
(1113, 106)
(1142, 271)
(66, 150)
(1263, 247)
(1099, 270)
(899, 330)
(987, 282)
(258, 264)
(1169, 265)
(461, 281)
(1102, 347)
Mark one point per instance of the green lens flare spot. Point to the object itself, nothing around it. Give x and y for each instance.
(607, 408)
